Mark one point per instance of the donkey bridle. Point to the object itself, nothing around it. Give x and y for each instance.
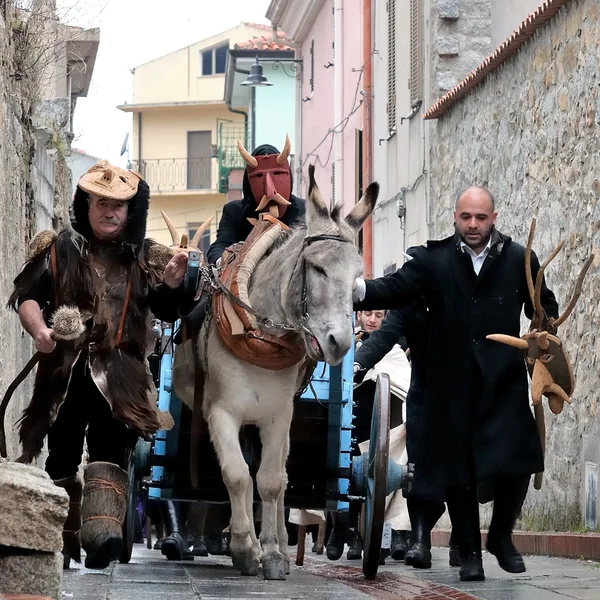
(300, 326)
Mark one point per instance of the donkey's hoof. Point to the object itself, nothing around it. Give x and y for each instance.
(286, 564)
(246, 564)
(274, 567)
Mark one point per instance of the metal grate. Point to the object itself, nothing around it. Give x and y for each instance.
(416, 52)
(391, 103)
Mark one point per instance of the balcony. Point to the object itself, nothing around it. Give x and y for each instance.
(228, 153)
(179, 175)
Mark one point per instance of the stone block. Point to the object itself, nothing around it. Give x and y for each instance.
(448, 9)
(447, 45)
(446, 80)
(32, 573)
(33, 509)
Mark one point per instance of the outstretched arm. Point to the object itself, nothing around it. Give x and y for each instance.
(380, 342)
(396, 290)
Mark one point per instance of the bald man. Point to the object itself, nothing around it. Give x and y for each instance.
(478, 439)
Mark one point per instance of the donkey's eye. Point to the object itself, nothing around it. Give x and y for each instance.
(320, 270)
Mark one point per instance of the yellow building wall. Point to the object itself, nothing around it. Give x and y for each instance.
(164, 131)
(182, 210)
(177, 77)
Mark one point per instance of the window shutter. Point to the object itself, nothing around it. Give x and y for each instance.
(312, 66)
(391, 104)
(416, 52)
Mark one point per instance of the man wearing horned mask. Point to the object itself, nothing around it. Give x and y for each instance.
(267, 187)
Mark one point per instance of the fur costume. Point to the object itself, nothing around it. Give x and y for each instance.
(94, 276)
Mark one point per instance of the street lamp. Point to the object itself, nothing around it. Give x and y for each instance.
(256, 76)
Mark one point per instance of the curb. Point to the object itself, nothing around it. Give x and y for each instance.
(561, 544)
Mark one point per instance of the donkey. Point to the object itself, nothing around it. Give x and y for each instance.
(306, 278)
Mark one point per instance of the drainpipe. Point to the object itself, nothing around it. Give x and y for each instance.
(367, 134)
(139, 165)
(338, 98)
(235, 110)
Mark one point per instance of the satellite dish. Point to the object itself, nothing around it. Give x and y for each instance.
(124, 146)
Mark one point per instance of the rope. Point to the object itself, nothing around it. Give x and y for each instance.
(106, 485)
(106, 518)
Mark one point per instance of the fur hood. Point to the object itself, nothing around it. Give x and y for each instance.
(137, 214)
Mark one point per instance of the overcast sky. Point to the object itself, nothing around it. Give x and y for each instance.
(134, 32)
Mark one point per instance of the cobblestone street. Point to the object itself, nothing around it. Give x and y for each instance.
(149, 575)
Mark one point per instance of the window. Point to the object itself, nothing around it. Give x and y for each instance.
(391, 103)
(416, 50)
(214, 60)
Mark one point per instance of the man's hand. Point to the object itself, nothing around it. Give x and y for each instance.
(359, 290)
(175, 270)
(44, 342)
(359, 373)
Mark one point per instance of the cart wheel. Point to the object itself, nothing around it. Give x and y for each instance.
(377, 472)
(129, 523)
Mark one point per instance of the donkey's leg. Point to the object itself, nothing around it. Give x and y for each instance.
(271, 479)
(256, 551)
(224, 432)
(282, 533)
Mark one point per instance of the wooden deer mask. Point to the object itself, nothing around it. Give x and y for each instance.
(547, 362)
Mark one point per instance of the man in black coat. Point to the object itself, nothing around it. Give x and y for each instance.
(409, 327)
(480, 431)
(267, 185)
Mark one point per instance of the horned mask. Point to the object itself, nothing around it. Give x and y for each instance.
(270, 179)
(547, 362)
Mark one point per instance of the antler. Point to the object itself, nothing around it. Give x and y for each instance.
(535, 292)
(198, 235)
(528, 265)
(563, 317)
(172, 229)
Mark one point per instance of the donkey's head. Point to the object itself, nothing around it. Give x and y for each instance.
(330, 264)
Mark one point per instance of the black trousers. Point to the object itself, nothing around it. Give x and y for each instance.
(508, 493)
(86, 413)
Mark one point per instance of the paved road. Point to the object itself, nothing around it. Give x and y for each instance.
(150, 576)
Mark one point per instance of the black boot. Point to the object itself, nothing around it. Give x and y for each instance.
(463, 506)
(509, 495)
(173, 546)
(399, 545)
(424, 514)
(355, 542)
(335, 543)
(453, 553)
(355, 545)
(72, 527)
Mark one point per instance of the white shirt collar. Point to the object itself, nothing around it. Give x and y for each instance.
(472, 252)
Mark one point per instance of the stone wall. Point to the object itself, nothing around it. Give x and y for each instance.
(460, 40)
(17, 207)
(33, 147)
(531, 132)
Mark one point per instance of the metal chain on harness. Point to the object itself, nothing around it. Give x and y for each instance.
(211, 276)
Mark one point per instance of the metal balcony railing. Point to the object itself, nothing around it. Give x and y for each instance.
(178, 174)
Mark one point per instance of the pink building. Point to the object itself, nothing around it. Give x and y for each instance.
(327, 36)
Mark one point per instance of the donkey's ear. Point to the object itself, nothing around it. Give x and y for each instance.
(361, 211)
(317, 206)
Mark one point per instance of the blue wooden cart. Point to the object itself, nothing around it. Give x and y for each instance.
(322, 473)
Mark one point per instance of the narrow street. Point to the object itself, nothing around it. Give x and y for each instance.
(150, 576)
